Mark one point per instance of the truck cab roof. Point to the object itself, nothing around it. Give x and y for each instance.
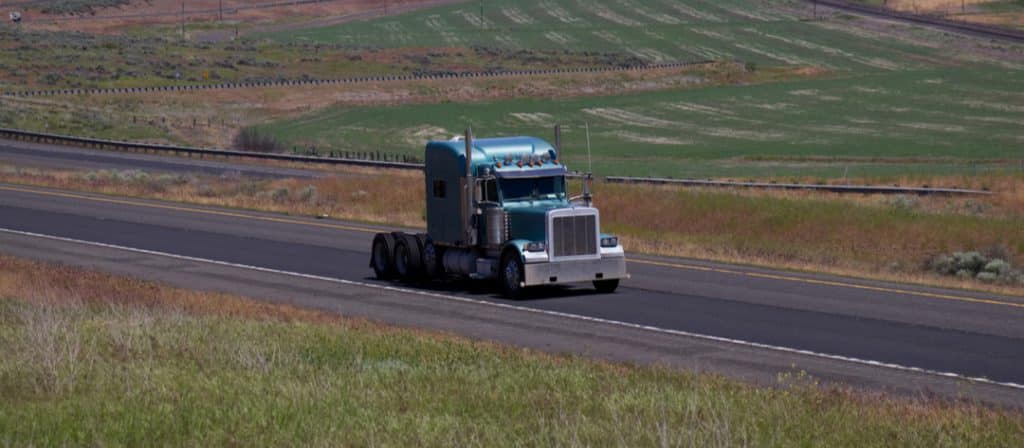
(504, 156)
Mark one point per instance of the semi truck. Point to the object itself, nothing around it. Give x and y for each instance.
(499, 209)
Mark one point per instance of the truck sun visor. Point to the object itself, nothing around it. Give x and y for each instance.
(536, 172)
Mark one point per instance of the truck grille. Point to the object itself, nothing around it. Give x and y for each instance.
(574, 235)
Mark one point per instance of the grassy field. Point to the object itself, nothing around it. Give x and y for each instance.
(41, 60)
(92, 359)
(767, 32)
(891, 238)
(928, 122)
(889, 99)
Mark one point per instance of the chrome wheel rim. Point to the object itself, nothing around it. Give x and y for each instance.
(512, 274)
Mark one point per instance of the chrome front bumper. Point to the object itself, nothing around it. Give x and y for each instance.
(557, 272)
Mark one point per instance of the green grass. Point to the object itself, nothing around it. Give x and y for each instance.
(767, 32)
(49, 60)
(1002, 6)
(897, 100)
(124, 374)
(919, 122)
(75, 6)
(156, 56)
(111, 121)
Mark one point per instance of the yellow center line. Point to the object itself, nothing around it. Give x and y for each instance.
(647, 262)
(189, 209)
(930, 295)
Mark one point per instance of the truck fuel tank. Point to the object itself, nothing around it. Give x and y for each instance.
(496, 226)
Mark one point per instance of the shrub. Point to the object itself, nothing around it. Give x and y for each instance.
(966, 265)
(970, 261)
(249, 188)
(205, 191)
(973, 207)
(904, 202)
(942, 265)
(251, 140)
(997, 267)
(280, 195)
(987, 277)
(307, 194)
(51, 78)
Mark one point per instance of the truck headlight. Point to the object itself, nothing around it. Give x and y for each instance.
(610, 241)
(537, 246)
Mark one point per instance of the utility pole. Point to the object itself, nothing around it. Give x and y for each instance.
(183, 20)
(221, 9)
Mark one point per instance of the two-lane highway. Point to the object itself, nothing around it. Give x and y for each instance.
(849, 323)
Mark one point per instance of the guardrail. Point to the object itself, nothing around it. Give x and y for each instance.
(85, 142)
(973, 28)
(863, 189)
(355, 80)
(40, 137)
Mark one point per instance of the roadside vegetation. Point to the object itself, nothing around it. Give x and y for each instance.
(827, 126)
(900, 238)
(95, 359)
(46, 60)
(210, 118)
(837, 97)
(75, 6)
(1006, 13)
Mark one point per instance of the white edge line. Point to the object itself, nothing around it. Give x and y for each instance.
(688, 334)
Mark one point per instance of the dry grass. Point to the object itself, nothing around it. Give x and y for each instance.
(931, 5)
(168, 13)
(392, 196)
(52, 286)
(874, 236)
(86, 349)
(211, 118)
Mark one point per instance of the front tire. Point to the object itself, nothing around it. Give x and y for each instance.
(606, 286)
(433, 264)
(381, 256)
(511, 275)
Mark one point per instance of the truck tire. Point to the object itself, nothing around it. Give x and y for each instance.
(433, 264)
(606, 286)
(510, 275)
(408, 264)
(381, 259)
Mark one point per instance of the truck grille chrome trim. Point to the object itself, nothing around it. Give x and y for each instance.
(573, 234)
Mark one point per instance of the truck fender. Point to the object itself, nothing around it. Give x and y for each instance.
(515, 246)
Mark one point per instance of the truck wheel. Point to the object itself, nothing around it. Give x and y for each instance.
(407, 258)
(606, 286)
(380, 256)
(433, 267)
(511, 275)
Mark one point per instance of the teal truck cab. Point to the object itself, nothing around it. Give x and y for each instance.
(498, 208)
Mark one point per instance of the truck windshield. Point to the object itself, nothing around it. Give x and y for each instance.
(533, 188)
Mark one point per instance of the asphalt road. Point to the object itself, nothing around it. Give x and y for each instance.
(63, 157)
(745, 322)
